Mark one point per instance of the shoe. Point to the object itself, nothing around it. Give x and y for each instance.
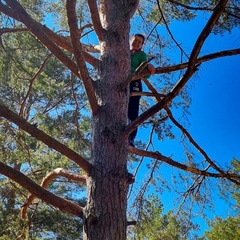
(131, 143)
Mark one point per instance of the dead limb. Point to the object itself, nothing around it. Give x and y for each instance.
(59, 172)
(41, 193)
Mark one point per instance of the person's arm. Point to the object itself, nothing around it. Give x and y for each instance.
(151, 68)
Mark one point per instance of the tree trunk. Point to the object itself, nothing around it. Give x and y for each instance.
(105, 213)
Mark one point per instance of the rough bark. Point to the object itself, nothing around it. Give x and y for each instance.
(105, 213)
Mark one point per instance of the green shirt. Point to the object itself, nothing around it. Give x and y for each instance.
(137, 58)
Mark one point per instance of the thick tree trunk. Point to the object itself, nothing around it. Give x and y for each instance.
(105, 213)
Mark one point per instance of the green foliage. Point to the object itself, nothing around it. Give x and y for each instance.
(154, 224)
(37, 86)
(224, 229)
(228, 228)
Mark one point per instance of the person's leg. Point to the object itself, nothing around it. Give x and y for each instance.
(133, 106)
(133, 109)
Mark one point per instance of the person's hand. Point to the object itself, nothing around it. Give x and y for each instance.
(151, 68)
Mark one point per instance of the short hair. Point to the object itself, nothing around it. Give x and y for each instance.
(140, 35)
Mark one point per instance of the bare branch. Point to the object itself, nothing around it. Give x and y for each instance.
(59, 172)
(194, 143)
(78, 54)
(31, 84)
(161, 70)
(91, 48)
(92, 4)
(156, 155)
(156, 95)
(48, 197)
(49, 141)
(138, 70)
(11, 30)
(170, 115)
(190, 7)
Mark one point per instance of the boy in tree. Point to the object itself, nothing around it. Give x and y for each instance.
(137, 57)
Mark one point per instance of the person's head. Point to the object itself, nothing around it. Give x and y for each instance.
(137, 41)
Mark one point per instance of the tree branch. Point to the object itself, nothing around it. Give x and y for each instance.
(156, 155)
(49, 141)
(188, 74)
(45, 35)
(59, 172)
(21, 111)
(92, 4)
(197, 8)
(48, 197)
(78, 54)
(212, 164)
(194, 143)
(169, 31)
(61, 41)
(161, 70)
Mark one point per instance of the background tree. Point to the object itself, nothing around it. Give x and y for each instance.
(227, 228)
(46, 110)
(154, 224)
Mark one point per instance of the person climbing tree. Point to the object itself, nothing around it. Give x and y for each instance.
(137, 57)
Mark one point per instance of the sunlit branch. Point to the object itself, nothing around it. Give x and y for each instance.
(48, 140)
(156, 155)
(91, 48)
(59, 172)
(92, 4)
(191, 68)
(21, 114)
(41, 193)
(78, 54)
(139, 69)
(208, 57)
(148, 94)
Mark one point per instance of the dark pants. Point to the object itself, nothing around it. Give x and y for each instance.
(133, 105)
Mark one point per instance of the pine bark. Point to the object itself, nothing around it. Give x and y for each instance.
(105, 213)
